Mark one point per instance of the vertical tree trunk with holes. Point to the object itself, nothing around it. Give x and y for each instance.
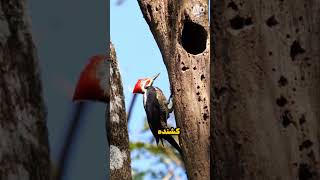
(181, 30)
(265, 89)
(24, 152)
(117, 124)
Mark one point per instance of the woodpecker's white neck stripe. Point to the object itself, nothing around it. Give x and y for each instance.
(145, 95)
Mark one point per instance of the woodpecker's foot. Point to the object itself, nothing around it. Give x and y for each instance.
(168, 103)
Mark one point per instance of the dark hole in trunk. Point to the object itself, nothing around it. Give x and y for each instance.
(193, 38)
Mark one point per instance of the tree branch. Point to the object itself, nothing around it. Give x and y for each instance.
(116, 121)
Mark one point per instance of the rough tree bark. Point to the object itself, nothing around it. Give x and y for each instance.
(265, 89)
(181, 30)
(24, 152)
(117, 121)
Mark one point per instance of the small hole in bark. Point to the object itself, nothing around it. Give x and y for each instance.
(194, 68)
(281, 101)
(294, 89)
(282, 81)
(202, 77)
(233, 6)
(184, 68)
(295, 50)
(302, 78)
(193, 38)
(198, 93)
(198, 87)
(286, 118)
(302, 119)
(271, 21)
(273, 69)
(305, 172)
(239, 22)
(205, 116)
(206, 107)
(305, 145)
(300, 18)
(288, 36)
(270, 53)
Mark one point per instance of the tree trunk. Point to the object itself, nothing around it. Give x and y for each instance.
(265, 89)
(181, 30)
(117, 125)
(24, 152)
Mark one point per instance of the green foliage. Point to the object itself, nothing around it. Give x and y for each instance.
(138, 175)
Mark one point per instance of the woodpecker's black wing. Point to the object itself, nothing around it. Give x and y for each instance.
(156, 110)
(157, 113)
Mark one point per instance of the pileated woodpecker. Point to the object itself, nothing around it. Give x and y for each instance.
(156, 107)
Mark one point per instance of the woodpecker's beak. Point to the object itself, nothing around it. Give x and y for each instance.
(155, 77)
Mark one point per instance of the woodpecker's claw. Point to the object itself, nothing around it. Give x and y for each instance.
(171, 109)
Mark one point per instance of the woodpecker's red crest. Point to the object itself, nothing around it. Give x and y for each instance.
(93, 81)
(143, 84)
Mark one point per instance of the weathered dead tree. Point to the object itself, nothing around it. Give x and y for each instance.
(117, 130)
(181, 30)
(265, 85)
(24, 152)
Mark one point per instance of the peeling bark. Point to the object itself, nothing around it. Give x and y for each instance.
(181, 30)
(265, 89)
(24, 152)
(120, 167)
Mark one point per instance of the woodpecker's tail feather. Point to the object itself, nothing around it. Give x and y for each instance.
(173, 143)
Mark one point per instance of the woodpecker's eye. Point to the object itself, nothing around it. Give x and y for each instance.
(147, 83)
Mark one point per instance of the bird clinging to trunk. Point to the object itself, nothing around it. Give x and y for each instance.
(156, 107)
